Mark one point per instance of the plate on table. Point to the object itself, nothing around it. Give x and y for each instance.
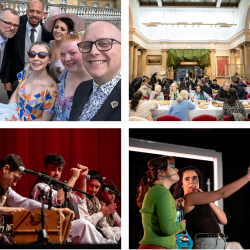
(216, 104)
(246, 105)
(202, 106)
(201, 101)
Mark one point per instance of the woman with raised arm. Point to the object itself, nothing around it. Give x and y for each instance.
(157, 206)
(202, 215)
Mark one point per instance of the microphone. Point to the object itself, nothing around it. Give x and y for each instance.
(23, 170)
(106, 189)
(117, 195)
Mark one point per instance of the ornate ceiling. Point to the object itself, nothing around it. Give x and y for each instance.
(190, 3)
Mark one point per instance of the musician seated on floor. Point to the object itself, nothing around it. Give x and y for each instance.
(9, 176)
(108, 197)
(82, 231)
(95, 212)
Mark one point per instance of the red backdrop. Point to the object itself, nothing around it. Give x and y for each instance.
(99, 149)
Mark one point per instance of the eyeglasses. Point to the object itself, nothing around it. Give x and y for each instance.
(8, 25)
(104, 44)
(41, 55)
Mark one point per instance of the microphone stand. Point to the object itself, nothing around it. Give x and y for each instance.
(63, 184)
(42, 234)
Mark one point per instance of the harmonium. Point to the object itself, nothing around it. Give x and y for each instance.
(26, 225)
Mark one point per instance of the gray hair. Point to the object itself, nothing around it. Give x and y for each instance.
(157, 87)
(174, 84)
(224, 83)
(11, 10)
(183, 95)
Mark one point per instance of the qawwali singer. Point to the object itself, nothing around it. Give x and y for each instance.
(41, 220)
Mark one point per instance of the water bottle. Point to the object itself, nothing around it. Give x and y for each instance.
(190, 88)
(161, 96)
(195, 98)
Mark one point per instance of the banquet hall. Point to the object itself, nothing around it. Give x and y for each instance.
(182, 42)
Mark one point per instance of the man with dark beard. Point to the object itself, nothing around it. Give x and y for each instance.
(18, 46)
(108, 195)
(9, 23)
(81, 230)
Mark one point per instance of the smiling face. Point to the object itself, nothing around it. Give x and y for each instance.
(9, 178)
(103, 66)
(190, 181)
(198, 89)
(35, 13)
(10, 18)
(60, 30)
(37, 63)
(71, 57)
(93, 187)
(54, 171)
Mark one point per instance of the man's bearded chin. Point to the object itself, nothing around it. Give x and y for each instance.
(8, 36)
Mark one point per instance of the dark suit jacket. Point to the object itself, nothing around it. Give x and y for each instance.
(106, 112)
(4, 57)
(15, 56)
(24, 19)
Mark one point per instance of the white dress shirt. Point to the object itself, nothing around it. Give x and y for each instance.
(28, 27)
(2, 47)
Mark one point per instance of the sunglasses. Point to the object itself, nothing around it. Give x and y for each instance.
(41, 55)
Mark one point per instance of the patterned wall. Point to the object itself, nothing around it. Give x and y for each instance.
(221, 61)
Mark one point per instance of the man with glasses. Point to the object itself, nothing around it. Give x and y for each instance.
(9, 23)
(99, 99)
(29, 32)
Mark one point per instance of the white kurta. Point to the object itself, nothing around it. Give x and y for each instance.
(82, 231)
(113, 233)
(16, 200)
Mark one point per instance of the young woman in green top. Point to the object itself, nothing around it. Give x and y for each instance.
(158, 208)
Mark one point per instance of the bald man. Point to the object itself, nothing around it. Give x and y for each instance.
(99, 99)
(29, 32)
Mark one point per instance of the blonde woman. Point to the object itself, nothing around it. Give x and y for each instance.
(181, 106)
(36, 92)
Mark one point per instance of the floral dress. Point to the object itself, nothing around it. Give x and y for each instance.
(31, 107)
(63, 104)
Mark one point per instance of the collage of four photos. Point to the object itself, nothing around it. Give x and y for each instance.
(65, 62)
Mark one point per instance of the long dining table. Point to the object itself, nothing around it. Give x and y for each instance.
(211, 110)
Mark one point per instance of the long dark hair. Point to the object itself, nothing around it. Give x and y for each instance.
(232, 97)
(69, 23)
(151, 176)
(135, 100)
(178, 190)
(201, 90)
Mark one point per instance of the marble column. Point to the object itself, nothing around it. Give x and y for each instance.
(164, 61)
(232, 61)
(139, 70)
(135, 61)
(212, 60)
(131, 60)
(247, 61)
(242, 60)
(144, 62)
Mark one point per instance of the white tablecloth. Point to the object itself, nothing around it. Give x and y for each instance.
(211, 110)
(247, 89)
